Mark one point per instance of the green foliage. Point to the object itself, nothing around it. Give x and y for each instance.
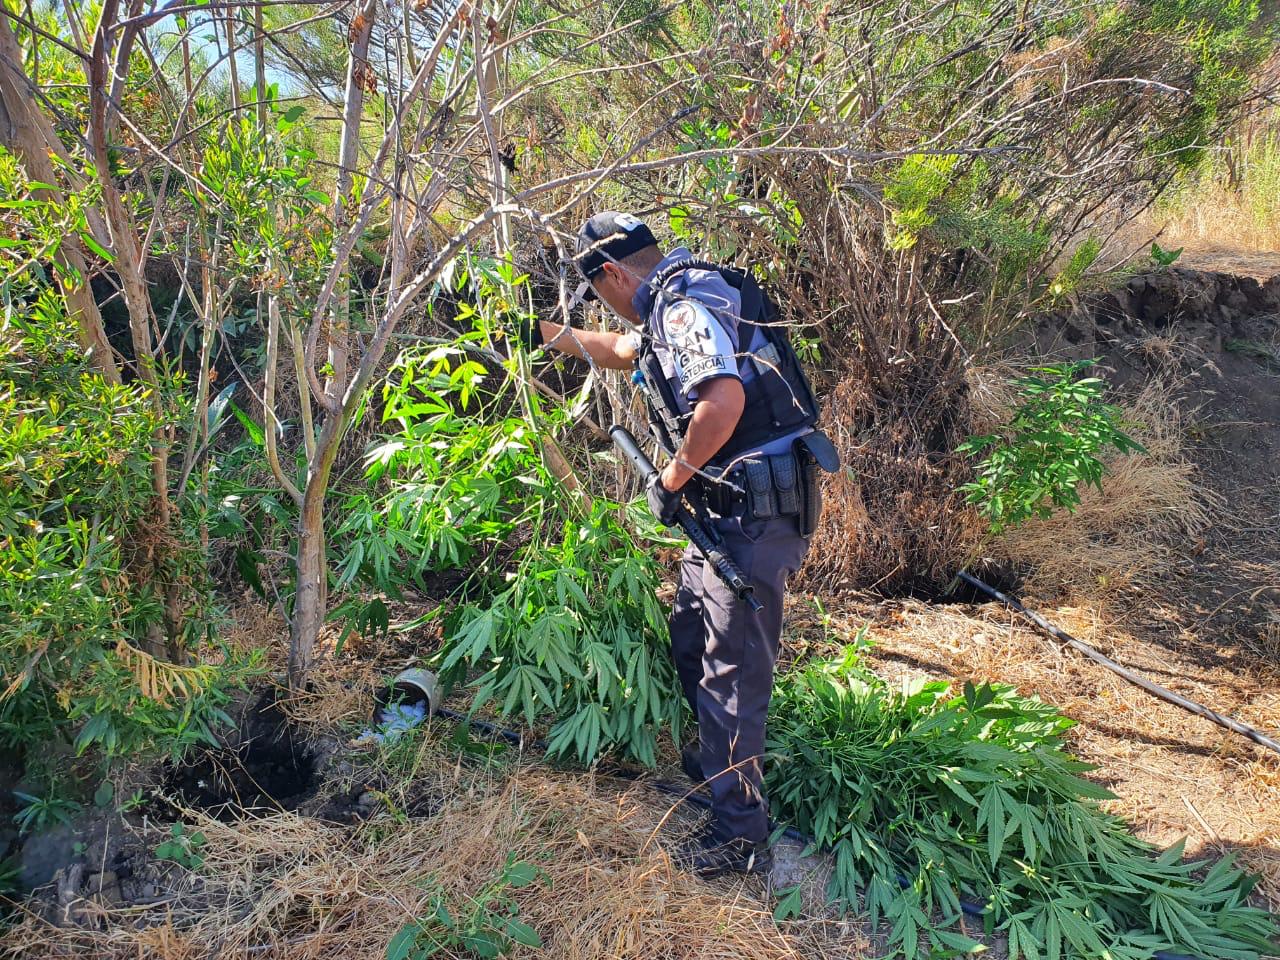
(461, 484)
(75, 500)
(445, 485)
(925, 797)
(546, 644)
(1162, 257)
(256, 193)
(40, 813)
(1082, 258)
(918, 183)
(78, 595)
(486, 925)
(1048, 449)
(182, 848)
(1223, 42)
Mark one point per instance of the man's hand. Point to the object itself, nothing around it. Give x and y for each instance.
(663, 502)
(528, 333)
(610, 350)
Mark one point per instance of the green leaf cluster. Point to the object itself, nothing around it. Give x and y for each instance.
(925, 797)
(182, 848)
(549, 644)
(1048, 449)
(461, 483)
(486, 925)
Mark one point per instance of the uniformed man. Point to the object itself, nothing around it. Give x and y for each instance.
(730, 407)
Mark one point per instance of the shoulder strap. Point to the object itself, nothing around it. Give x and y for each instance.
(753, 301)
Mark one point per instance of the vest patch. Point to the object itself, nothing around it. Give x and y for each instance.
(700, 345)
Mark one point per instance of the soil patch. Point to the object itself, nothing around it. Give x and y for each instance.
(269, 768)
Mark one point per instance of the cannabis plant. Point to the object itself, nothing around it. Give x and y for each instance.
(1050, 447)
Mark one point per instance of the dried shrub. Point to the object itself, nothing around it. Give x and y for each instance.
(892, 519)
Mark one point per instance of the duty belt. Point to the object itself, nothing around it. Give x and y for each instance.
(767, 486)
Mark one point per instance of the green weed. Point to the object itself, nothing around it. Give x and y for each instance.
(1048, 449)
(182, 848)
(40, 813)
(925, 797)
(487, 925)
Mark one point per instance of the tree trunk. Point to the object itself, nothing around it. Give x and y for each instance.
(312, 593)
(128, 260)
(26, 132)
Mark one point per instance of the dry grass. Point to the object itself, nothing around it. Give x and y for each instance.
(288, 887)
(1234, 202)
(1219, 216)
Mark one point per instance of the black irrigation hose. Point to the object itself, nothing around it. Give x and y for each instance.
(1137, 679)
(684, 795)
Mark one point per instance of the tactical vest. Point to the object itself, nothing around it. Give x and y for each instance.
(779, 400)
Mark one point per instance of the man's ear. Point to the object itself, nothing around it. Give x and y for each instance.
(611, 270)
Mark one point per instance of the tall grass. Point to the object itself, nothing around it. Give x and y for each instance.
(1232, 200)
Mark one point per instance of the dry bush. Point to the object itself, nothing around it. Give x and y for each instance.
(287, 887)
(1126, 536)
(892, 517)
(896, 409)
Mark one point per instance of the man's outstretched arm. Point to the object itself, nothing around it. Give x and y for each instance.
(613, 351)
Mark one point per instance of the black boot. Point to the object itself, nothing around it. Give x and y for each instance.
(710, 858)
(691, 762)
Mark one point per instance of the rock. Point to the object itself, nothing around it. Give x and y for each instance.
(791, 868)
(67, 880)
(45, 853)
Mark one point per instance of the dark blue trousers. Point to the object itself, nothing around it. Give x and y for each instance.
(725, 655)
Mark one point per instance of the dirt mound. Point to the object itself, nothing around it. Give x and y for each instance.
(1159, 321)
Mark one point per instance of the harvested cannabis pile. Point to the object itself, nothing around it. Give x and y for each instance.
(926, 798)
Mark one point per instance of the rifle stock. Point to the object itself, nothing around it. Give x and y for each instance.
(688, 522)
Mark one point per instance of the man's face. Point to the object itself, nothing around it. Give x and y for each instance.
(616, 287)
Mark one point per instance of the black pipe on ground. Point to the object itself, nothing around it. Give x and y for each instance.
(1235, 726)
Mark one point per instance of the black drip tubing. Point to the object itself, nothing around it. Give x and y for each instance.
(696, 799)
(1137, 679)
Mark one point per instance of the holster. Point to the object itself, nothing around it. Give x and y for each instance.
(811, 492)
(814, 452)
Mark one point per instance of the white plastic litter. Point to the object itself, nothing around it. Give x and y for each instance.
(394, 720)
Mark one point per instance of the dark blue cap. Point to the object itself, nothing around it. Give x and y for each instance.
(608, 237)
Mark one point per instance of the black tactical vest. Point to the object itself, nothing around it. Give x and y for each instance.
(779, 400)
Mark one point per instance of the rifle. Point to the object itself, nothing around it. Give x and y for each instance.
(702, 538)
